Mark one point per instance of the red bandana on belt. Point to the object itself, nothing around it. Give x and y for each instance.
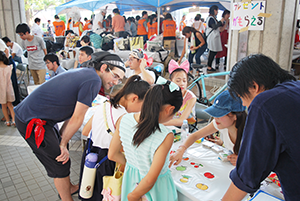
(39, 130)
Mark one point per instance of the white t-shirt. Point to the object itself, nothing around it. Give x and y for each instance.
(16, 48)
(36, 30)
(224, 135)
(98, 18)
(3, 46)
(100, 137)
(130, 72)
(198, 25)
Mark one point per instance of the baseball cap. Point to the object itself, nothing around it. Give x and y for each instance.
(137, 53)
(224, 104)
(103, 11)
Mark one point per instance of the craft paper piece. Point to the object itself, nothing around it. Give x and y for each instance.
(264, 15)
(244, 29)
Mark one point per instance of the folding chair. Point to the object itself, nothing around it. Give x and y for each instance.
(201, 116)
(21, 80)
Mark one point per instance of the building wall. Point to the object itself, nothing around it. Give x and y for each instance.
(12, 13)
(275, 41)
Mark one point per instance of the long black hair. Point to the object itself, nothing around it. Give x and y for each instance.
(225, 13)
(4, 58)
(212, 9)
(134, 85)
(239, 124)
(256, 68)
(151, 18)
(188, 29)
(155, 98)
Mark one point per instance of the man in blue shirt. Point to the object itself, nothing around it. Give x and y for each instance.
(52, 63)
(271, 134)
(64, 98)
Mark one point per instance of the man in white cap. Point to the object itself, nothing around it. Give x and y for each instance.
(98, 22)
(75, 91)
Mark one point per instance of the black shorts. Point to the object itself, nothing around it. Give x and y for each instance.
(48, 150)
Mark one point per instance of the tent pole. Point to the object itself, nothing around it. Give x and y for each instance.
(158, 19)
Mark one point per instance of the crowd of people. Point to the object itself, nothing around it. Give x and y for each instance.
(134, 121)
(201, 35)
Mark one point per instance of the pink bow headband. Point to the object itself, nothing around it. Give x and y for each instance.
(173, 65)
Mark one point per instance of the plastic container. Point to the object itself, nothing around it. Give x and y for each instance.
(47, 76)
(184, 130)
(88, 176)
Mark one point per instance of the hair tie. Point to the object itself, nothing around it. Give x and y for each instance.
(172, 85)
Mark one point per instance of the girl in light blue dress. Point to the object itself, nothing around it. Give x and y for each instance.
(146, 143)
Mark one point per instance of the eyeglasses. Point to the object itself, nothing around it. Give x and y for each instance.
(116, 77)
(48, 62)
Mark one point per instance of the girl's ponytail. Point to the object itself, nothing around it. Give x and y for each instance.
(135, 85)
(148, 122)
(155, 98)
(239, 124)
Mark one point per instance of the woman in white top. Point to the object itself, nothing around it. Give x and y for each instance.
(198, 24)
(229, 119)
(101, 126)
(213, 36)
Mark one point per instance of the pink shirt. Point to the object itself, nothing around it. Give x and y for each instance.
(118, 23)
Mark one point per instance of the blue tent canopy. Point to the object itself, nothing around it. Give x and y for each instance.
(128, 5)
(177, 6)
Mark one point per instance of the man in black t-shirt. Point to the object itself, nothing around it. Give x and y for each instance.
(66, 97)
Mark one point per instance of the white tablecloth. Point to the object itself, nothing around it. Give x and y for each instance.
(210, 163)
(217, 186)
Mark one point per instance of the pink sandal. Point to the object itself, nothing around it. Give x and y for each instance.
(7, 123)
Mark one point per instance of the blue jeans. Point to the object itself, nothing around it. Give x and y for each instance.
(198, 54)
(17, 59)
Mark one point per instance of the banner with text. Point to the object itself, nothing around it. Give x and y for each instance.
(247, 14)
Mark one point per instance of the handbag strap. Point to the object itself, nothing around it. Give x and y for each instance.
(89, 151)
(209, 32)
(108, 130)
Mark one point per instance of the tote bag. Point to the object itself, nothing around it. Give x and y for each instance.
(112, 186)
(136, 42)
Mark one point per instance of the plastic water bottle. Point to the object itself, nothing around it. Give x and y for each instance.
(157, 68)
(47, 77)
(88, 176)
(184, 130)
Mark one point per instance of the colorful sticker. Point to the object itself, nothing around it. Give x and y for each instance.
(209, 175)
(185, 178)
(202, 186)
(196, 165)
(181, 168)
(185, 158)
